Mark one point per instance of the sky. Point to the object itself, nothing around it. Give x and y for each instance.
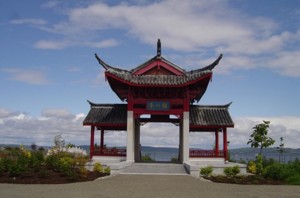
(48, 70)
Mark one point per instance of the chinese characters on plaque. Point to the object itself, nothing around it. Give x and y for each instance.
(158, 105)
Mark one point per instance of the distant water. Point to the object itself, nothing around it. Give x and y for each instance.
(285, 157)
(246, 154)
(160, 154)
(163, 156)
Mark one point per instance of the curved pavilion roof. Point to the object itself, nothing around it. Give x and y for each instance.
(183, 79)
(202, 117)
(158, 72)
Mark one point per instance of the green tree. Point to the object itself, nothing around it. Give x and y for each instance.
(259, 138)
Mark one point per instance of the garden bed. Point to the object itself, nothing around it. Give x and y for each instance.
(50, 177)
(244, 179)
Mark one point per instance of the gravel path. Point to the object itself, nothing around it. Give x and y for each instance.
(148, 186)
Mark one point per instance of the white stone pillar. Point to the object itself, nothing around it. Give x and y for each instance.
(130, 137)
(186, 131)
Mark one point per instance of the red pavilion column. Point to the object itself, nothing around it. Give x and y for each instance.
(217, 143)
(102, 141)
(92, 141)
(225, 142)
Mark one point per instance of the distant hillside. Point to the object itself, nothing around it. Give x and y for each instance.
(265, 150)
(25, 146)
(159, 149)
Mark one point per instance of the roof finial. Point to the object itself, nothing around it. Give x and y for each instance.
(158, 48)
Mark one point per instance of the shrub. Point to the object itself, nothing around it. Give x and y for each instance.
(285, 172)
(52, 162)
(295, 166)
(83, 171)
(36, 160)
(65, 164)
(107, 170)
(16, 161)
(206, 171)
(7, 162)
(268, 161)
(231, 171)
(174, 160)
(276, 171)
(293, 180)
(2, 167)
(259, 164)
(251, 167)
(16, 169)
(147, 158)
(72, 175)
(80, 161)
(98, 167)
(236, 170)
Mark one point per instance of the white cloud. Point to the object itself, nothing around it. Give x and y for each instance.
(61, 44)
(50, 44)
(183, 26)
(57, 113)
(286, 63)
(287, 127)
(254, 46)
(189, 26)
(192, 26)
(79, 116)
(50, 4)
(4, 113)
(26, 75)
(103, 44)
(24, 129)
(37, 22)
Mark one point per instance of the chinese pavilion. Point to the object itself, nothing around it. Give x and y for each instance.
(158, 88)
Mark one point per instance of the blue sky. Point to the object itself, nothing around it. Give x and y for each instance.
(48, 69)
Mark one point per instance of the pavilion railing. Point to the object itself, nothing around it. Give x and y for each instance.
(110, 152)
(206, 153)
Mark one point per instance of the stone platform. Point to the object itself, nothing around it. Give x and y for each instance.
(154, 169)
(192, 167)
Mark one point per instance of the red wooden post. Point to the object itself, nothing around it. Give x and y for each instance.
(225, 142)
(92, 141)
(102, 141)
(217, 143)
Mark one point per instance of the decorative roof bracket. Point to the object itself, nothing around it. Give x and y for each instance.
(158, 49)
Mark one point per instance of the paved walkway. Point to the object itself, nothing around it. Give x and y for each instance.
(133, 186)
(155, 169)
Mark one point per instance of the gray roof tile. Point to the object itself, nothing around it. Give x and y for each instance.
(200, 116)
(158, 79)
(210, 116)
(103, 114)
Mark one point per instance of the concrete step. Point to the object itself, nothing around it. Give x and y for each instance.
(154, 169)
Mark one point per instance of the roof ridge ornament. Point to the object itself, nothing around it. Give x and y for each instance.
(101, 62)
(209, 67)
(158, 55)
